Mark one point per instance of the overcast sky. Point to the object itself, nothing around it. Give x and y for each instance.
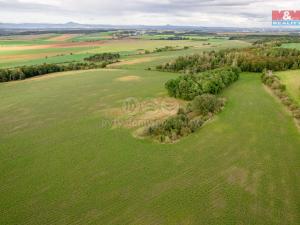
(244, 13)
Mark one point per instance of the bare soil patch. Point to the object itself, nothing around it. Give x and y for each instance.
(140, 115)
(63, 37)
(132, 62)
(55, 45)
(128, 78)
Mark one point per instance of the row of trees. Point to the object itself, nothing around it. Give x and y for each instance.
(21, 73)
(187, 87)
(104, 57)
(276, 41)
(38, 70)
(254, 59)
(188, 120)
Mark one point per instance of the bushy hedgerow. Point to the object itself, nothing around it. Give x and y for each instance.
(187, 121)
(95, 62)
(37, 70)
(254, 59)
(187, 87)
(272, 81)
(109, 57)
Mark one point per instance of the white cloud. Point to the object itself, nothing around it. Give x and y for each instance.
(150, 12)
(47, 2)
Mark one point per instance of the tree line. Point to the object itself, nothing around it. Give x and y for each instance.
(25, 72)
(108, 57)
(254, 59)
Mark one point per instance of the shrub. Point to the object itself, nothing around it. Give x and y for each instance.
(293, 107)
(287, 101)
(205, 104)
(196, 123)
(296, 113)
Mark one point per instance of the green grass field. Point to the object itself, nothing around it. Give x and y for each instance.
(62, 163)
(291, 45)
(292, 81)
(60, 166)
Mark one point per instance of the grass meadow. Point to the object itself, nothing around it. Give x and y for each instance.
(292, 81)
(60, 165)
(291, 45)
(61, 162)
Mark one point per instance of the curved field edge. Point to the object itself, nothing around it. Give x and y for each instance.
(60, 166)
(292, 81)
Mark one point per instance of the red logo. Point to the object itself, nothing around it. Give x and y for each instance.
(286, 15)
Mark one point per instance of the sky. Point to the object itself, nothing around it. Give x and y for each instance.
(235, 13)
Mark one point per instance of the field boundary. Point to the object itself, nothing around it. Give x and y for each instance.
(288, 111)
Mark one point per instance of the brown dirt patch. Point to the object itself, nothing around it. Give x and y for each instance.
(63, 37)
(8, 58)
(78, 44)
(128, 78)
(132, 61)
(136, 114)
(56, 45)
(23, 47)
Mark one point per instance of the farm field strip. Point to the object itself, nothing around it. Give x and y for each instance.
(19, 55)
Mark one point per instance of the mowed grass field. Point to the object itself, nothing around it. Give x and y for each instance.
(292, 81)
(60, 165)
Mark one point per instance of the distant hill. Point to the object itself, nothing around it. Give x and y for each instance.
(77, 26)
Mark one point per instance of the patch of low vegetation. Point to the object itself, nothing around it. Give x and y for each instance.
(167, 49)
(279, 89)
(254, 59)
(188, 120)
